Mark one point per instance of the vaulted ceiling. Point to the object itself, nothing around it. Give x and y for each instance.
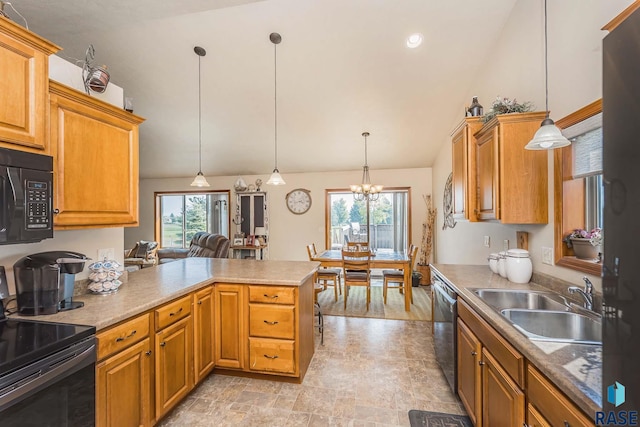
(342, 68)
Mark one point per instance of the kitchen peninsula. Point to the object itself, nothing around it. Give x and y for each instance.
(169, 326)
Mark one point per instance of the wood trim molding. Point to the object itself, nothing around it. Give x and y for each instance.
(611, 25)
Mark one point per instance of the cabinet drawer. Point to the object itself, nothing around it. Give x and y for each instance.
(271, 321)
(270, 355)
(272, 294)
(122, 336)
(172, 312)
(508, 357)
(551, 403)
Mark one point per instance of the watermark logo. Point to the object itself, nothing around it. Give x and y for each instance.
(615, 394)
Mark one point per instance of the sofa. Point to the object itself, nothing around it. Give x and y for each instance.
(203, 245)
(144, 254)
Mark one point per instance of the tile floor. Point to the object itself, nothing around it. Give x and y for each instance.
(370, 372)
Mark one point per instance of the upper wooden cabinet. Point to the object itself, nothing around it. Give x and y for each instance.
(464, 167)
(24, 83)
(511, 181)
(95, 150)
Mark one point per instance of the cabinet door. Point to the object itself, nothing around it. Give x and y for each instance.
(24, 61)
(469, 373)
(174, 365)
(95, 149)
(487, 176)
(534, 418)
(203, 334)
(502, 399)
(123, 388)
(230, 336)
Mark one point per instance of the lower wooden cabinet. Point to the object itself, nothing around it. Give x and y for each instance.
(502, 399)
(469, 372)
(534, 418)
(124, 388)
(230, 337)
(203, 333)
(174, 364)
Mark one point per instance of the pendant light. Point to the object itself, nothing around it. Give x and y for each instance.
(366, 190)
(199, 180)
(548, 137)
(275, 178)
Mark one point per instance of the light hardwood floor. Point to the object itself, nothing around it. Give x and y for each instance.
(370, 372)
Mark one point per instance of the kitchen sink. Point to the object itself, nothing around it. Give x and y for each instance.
(556, 326)
(516, 298)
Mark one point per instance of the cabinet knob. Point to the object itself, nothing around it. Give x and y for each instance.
(481, 363)
(163, 343)
(56, 211)
(566, 423)
(473, 353)
(148, 353)
(199, 302)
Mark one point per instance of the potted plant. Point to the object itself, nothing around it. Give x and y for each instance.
(585, 244)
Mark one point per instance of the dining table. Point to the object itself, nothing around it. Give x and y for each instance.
(379, 259)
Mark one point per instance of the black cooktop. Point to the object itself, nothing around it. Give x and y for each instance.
(25, 341)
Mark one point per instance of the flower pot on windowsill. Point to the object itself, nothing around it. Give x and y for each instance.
(583, 249)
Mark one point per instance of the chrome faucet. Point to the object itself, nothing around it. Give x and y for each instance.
(587, 294)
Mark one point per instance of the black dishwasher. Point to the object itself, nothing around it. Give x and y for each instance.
(445, 329)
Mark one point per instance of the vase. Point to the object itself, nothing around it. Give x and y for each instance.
(475, 108)
(583, 249)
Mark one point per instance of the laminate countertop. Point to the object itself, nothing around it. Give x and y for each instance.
(576, 369)
(150, 287)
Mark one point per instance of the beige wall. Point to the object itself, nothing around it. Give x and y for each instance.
(289, 233)
(516, 70)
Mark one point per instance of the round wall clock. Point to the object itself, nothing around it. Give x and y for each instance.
(298, 201)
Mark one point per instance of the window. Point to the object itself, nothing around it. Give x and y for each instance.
(388, 217)
(180, 215)
(578, 183)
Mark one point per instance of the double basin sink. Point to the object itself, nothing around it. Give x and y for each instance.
(544, 316)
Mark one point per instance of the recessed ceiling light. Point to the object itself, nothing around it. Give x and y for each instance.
(414, 40)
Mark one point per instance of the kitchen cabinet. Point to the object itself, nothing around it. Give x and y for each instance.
(173, 354)
(24, 86)
(490, 373)
(95, 151)
(123, 375)
(548, 406)
(511, 181)
(203, 333)
(464, 168)
(230, 337)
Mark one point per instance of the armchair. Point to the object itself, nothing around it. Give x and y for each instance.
(143, 254)
(203, 245)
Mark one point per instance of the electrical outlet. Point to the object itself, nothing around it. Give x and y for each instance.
(107, 253)
(505, 244)
(547, 255)
(487, 241)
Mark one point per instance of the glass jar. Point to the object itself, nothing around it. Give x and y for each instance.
(519, 268)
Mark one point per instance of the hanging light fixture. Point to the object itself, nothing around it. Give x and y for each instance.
(199, 180)
(275, 178)
(548, 137)
(366, 190)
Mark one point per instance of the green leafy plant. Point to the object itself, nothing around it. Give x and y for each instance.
(506, 106)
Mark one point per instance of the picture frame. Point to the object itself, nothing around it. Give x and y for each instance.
(250, 240)
(238, 241)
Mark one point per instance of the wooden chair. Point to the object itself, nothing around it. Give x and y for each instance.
(357, 272)
(326, 275)
(357, 246)
(397, 276)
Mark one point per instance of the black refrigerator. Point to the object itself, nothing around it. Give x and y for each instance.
(621, 269)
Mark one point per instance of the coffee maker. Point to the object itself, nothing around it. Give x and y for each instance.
(45, 282)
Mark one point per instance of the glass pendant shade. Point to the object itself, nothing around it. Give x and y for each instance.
(275, 178)
(200, 181)
(548, 137)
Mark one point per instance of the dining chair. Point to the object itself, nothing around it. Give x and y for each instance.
(358, 246)
(356, 266)
(397, 276)
(326, 275)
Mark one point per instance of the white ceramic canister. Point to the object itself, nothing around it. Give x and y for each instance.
(493, 262)
(519, 266)
(502, 264)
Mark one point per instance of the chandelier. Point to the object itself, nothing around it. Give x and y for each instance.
(366, 190)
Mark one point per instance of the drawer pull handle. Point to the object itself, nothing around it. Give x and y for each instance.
(271, 357)
(148, 353)
(273, 297)
(175, 313)
(163, 343)
(119, 339)
(270, 323)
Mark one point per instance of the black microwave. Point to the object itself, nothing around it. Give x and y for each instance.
(26, 197)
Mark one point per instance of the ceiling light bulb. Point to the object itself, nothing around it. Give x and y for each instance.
(414, 40)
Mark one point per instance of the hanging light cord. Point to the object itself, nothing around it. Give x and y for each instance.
(275, 100)
(546, 66)
(365, 151)
(199, 118)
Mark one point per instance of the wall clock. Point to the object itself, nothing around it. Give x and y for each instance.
(298, 201)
